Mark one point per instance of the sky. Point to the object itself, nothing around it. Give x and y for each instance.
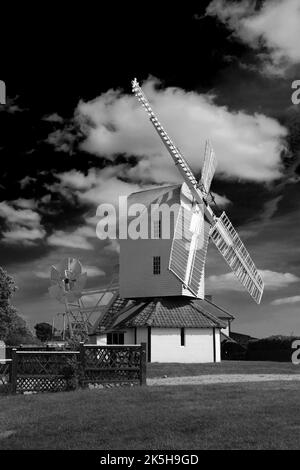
(72, 136)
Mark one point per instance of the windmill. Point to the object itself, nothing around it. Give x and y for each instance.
(188, 253)
(68, 282)
(83, 307)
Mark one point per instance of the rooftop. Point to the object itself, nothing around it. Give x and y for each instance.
(164, 312)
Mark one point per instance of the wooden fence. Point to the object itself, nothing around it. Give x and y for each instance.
(52, 371)
(5, 372)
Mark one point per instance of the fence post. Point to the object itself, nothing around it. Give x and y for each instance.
(143, 371)
(82, 363)
(8, 350)
(14, 370)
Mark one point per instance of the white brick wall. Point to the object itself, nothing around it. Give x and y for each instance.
(165, 345)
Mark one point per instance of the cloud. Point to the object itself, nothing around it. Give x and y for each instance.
(221, 201)
(42, 274)
(79, 238)
(63, 140)
(53, 118)
(93, 271)
(77, 180)
(24, 235)
(25, 203)
(25, 217)
(98, 186)
(11, 106)
(275, 26)
(273, 280)
(26, 181)
(286, 300)
(247, 146)
(23, 223)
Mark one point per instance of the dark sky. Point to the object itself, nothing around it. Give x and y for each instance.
(53, 60)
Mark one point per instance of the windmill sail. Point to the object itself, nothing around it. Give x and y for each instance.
(236, 255)
(209, 167)
(198, 261)
(181, 245)
(175, 153)
(188, 250)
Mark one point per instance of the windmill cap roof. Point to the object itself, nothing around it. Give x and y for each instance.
(149, 196)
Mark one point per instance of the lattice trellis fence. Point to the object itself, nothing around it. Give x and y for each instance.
(114, 364)
(52, 371)
(41, 371)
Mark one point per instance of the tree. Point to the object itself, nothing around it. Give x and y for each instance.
(13, 329)
(43, 331)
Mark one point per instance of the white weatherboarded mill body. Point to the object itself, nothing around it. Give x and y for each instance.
(159, 309)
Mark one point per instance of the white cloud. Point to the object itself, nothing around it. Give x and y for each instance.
(26, 181)
(24, 235)
(25, 217)
(69, 240)
(93, 271)
(276, 25)
(79, 238)
(64, 139)
(98, 186)
(77, 180)
(247, 146)
(23, 223)
(53, 118)
(272, 280)
(286, 300)
(221, 201)
(25, 203)
(42, 274)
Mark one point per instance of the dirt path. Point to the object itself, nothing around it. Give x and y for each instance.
(222, 378)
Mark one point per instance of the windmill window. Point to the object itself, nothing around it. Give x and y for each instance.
(156, 264)
(182, 337)
(115, 338)
(157, 229)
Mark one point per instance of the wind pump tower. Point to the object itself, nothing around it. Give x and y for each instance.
(83, 308)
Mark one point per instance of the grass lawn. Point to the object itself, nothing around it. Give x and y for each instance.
(224, 367)
(223, 416)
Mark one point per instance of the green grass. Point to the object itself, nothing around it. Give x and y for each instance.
(225, 367)
(227, 416)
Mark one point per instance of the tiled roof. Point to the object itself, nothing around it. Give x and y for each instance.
(114, 310)
(166, 312)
